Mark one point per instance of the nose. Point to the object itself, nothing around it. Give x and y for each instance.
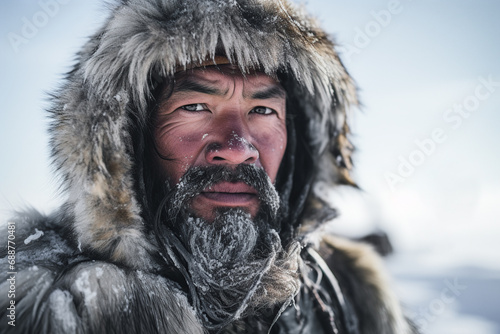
(231, 145)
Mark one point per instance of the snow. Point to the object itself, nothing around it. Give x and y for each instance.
(98, 272)
(61, 303)
(459, 301)
(34, 236)
(141, 277)
(82, 284)
(432, 253)
(56, 247)
(118, 290)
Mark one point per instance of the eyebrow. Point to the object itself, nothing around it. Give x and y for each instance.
(269, 93)
(188, 85)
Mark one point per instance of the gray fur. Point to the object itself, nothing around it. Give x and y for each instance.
(99, 297)
(91, 148)
(60, 291)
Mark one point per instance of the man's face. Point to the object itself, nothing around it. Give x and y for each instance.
(218, 117)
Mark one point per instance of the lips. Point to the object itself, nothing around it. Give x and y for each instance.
(230, 194)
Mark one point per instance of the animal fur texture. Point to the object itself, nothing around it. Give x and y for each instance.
(94, 266)
(109, 88)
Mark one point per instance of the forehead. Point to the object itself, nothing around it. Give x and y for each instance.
(218, 80)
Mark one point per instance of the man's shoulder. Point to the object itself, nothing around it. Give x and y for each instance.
(36, 239)
(363, 279)
(95, 297)
(57, 289)
(350, 257)
(33, 252)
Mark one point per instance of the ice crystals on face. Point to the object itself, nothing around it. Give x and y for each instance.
(236, 137)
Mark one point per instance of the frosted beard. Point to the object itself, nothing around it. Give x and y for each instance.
(235, 264)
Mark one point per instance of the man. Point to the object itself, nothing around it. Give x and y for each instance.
(190, 136)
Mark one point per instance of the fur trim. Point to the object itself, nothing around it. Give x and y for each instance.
(107, 94)
(361, 274)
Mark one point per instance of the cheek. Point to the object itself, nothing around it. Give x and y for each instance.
(272, 146)
(178, 146)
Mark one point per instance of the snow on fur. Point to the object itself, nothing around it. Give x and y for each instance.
(112, 81)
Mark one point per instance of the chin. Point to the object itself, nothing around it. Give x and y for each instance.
(210, 214)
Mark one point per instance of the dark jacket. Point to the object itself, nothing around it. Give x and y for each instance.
(93, 266)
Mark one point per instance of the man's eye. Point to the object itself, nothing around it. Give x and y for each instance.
(194, 107)
(263, 110)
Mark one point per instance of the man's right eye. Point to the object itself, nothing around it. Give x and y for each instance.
(194, 107)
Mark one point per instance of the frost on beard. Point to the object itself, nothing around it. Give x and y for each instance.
(219, 247)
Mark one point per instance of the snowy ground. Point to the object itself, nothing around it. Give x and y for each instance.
(449, 282)
(462, 300)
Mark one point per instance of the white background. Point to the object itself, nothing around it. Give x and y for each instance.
(411, 67)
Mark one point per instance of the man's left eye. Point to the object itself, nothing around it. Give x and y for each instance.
(263, 110)
(194, 107)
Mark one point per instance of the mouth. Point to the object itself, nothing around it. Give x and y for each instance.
(230, 194)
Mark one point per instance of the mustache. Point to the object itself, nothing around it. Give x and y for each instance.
(197, 179)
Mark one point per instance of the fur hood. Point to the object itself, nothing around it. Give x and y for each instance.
(100, 113)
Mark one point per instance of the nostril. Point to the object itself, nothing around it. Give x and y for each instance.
(251, 160)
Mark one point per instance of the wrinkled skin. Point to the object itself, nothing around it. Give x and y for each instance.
(216, 116)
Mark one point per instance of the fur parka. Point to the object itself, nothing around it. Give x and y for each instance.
(93, 265)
